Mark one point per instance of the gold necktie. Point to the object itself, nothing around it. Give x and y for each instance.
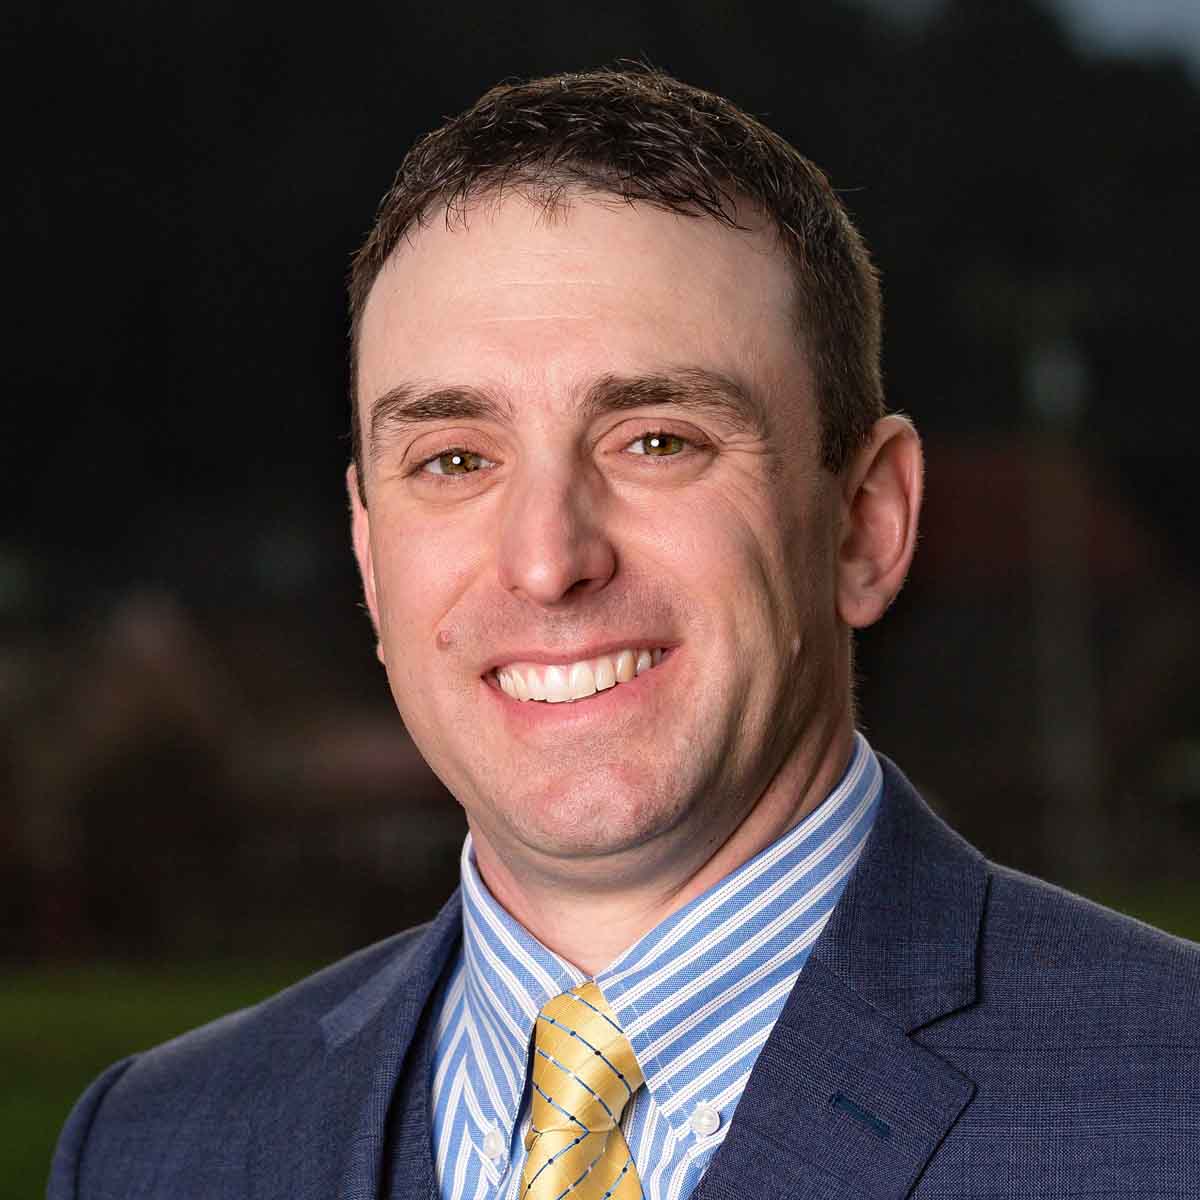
(584, 1073)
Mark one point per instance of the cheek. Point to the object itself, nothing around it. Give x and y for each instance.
(398, 601)
(784, 584)
(421, 575)
(742, 558)
(419, 568)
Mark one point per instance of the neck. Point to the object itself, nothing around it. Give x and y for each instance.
(590, 924)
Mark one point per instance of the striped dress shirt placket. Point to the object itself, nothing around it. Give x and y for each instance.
(698, 996)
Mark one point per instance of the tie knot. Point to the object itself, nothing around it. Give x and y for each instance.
(584, 1068)
(584, 1073)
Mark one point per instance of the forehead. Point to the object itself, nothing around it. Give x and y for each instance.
(528, 301)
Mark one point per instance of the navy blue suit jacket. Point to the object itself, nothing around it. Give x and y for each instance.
(960, 1030)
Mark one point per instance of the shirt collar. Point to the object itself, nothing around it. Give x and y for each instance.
(508, 977)
(662, 981)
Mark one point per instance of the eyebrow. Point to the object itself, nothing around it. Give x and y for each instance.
(409, 405)
(690, 389)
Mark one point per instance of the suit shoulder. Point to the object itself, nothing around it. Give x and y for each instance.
(183, 1108)
(268, 1036)
(298, 1005)
(1054, 949)
(1023, 903)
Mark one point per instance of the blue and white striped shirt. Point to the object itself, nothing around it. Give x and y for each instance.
(697, 996)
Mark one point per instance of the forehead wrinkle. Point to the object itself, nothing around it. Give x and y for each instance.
(410, 405)
(499, 320)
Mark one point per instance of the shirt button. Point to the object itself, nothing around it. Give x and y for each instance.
(705, 1120)
(493, 1145)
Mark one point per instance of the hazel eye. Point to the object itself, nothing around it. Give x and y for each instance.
(659, 445)
(455, 461)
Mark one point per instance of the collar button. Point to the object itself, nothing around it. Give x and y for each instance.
(493, 1145)
(705, 1120)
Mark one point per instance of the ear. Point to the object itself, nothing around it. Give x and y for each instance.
(360, 531)
(881, 501)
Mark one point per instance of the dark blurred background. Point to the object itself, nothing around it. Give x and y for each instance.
(200, 762)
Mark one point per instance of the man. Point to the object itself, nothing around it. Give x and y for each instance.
(623, 487)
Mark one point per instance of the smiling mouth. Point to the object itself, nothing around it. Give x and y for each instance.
(562, 683)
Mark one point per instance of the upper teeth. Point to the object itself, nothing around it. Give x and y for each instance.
(574, 681)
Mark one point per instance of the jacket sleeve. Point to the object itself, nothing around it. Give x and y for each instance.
(65, 1181)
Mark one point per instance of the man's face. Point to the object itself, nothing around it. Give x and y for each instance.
(588, 433)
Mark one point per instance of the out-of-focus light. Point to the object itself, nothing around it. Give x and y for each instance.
(1056, 384)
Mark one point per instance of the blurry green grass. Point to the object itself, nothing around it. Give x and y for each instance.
(1174, 908)
(59, 1028)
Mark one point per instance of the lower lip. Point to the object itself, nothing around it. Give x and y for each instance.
(612, 702)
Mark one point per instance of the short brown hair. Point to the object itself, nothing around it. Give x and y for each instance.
(641, 136)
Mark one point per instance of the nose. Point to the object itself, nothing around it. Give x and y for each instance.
(554, 545)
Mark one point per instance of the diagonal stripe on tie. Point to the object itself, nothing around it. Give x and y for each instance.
(584, 1073)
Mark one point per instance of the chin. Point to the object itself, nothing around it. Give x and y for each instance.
(596, 819)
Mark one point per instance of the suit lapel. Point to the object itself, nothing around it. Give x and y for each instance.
(333, 1142)
(843, 1101)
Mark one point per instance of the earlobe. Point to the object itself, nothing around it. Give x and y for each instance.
(881, 503)
(360, 531)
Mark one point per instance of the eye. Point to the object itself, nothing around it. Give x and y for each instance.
(659, 444)
(455, 461)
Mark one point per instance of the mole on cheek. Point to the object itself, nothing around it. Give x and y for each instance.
(445, 639)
